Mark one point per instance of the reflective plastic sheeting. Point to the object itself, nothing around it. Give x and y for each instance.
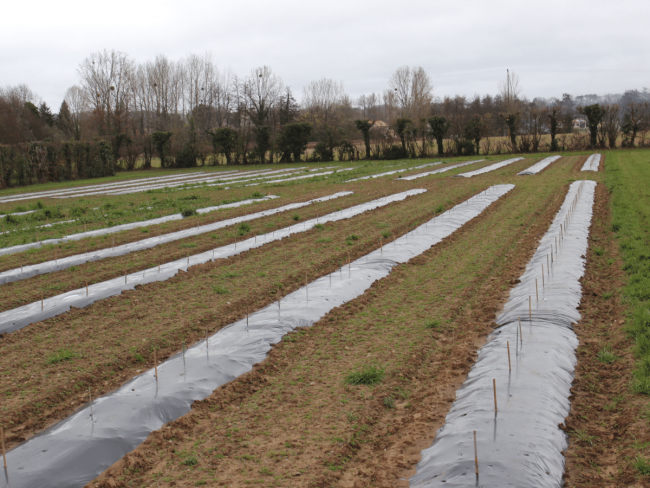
(131, 225)
(521, 445)
(487, 169)
(393, 172)
(592, 163)
(441, 170)
(539, 166)
(78, 449)
(100, 187)
(301, 177)
(20, 317)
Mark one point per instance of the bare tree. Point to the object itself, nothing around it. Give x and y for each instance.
(509, 89)
(413, 91)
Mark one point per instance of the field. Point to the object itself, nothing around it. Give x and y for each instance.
(352, 400)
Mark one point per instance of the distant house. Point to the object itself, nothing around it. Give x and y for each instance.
(579, 123)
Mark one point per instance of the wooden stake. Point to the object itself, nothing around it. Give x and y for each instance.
(90, 400)
(155, 364)
(188, 257)
(206, 330)
(509, 363)
(521, 336)
(475, 454)
(55, 260)
(494, 386)
(536, 290)
(349, 265)
(381, 245)
(124, 276)
(548, 268)
(4, 455)
(41, 301)
(86, 288)
(530, 308)
(543, 281)
(206, 336)
(113, 242)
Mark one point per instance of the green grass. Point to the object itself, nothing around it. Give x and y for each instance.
(62, 355)
(606, 355)
(642, 465)
(628, 180)
(368, 374)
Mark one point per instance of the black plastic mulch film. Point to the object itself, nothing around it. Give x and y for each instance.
(78, 449)
(521, 445)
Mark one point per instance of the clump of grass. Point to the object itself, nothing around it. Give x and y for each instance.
(386, 234)
(139, 357)
(389, 402)
(190, 461)
(10, 219)
(368, 374)
(296, 217)
(439, 208)
(220, 290)
(599, 252)
(188, 212)
(350, 239)
(606, 355)
(582, 436)
(607, 295)
(642, 465)
(62, 355)
(257, 195)
(231, 274)
(188, 245)
(244, 228)
(319, 226)
(432, 324)
(323, 240)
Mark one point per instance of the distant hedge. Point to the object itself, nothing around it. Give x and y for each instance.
(42, 162)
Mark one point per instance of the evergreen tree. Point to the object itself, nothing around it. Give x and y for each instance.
(65, 121)
(45, 113)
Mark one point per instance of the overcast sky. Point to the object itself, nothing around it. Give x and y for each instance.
(574, 46)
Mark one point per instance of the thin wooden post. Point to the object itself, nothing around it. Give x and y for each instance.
(113, 242)
(509, 363)
(521, 336)
(494, 386)
(536, 290)
(155, 364)
(188, 258)
(4, 454)
(543, 281)
(90, 400)
(548, 268)
(86, 288)
(124, 276)
(530, 308)
(475, 454)
(206, 331)
(41, 301)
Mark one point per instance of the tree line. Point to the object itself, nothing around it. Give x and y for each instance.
(188, 113)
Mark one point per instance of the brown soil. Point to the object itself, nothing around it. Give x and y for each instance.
(606, 427)
(293, 421)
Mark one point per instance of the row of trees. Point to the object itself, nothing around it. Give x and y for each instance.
(190, 113)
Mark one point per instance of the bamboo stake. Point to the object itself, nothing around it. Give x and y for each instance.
(41, 301)
(494, 386)
(90, 399)
(155, 364)
(536, 290)
(206, 330)
(543, 281)
(86, 288)
(206, 336)
(509, 363)
(4, 455)
(475, 454)
(548, 269)
(530, 308)
(124, 276)
(521, 336)
(188, 257)
(55, 259)
(381, 245)
(113, 242)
